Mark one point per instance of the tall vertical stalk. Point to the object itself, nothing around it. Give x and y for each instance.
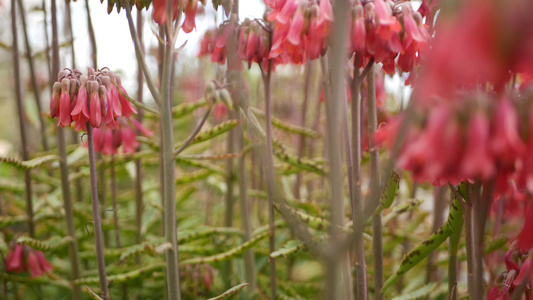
(357, 204)
(377, 242)
(453, 247)
(97, 222)
(65, 187)
(47, 43)
(68, 32)
(169, 184)
(481, 206)
(114, 201)
(138, 165)
(469, 239)
(439, 205)
(229, 197)
(242, 179)
(78, 185)
(35, 85)
(118, 244)
(303, 117)
(270, 179)
(22, 122)
(92, 37)
(336, 284)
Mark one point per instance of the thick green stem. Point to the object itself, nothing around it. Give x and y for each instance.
(357, 203)
(169, 185)
(469, 239)
(377, 242)
(97, 222)
(454, 240)
(22, 122)
(481, 205)
(439, 201)
(270, 179)
(229, 201)
(138, 165)
(339, 279)
(303, 117)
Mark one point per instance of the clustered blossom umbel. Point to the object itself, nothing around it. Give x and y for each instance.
(483, 43)
(252, 42)
(107, 141)
(300, 29)
(482, 138)
(97, 98)
(385, 31)
(23, 259)
(189, 7)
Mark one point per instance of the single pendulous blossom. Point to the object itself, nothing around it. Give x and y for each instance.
(98, 98)
(23, 259)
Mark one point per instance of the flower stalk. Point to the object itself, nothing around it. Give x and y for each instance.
(169, 185)
(377, 242)
(35, 86)
(339, 279)
(357, 203)
(65, 187)
(22, 122)
(270, 179)
(97, 222)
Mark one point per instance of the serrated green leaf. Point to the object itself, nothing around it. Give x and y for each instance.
(54, 242)
(28, 164)
(416, 255)
(214, 131)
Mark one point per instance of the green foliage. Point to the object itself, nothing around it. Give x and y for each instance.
(230, 292)
(53, 243)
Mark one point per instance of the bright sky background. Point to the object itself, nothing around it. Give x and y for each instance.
(115, 48)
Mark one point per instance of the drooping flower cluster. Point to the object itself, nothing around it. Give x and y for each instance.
(107, 141)
(485, 42)
(252, 43)
(23, 259)
(384, 30)
(98, 98)
(481, 138)
(189, 7)
(301, 28)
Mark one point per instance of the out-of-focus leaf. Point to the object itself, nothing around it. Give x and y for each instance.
(54, 242)
(417, 294)
(230, 292)
(226, 255)
(29, 164)
(93, 294)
